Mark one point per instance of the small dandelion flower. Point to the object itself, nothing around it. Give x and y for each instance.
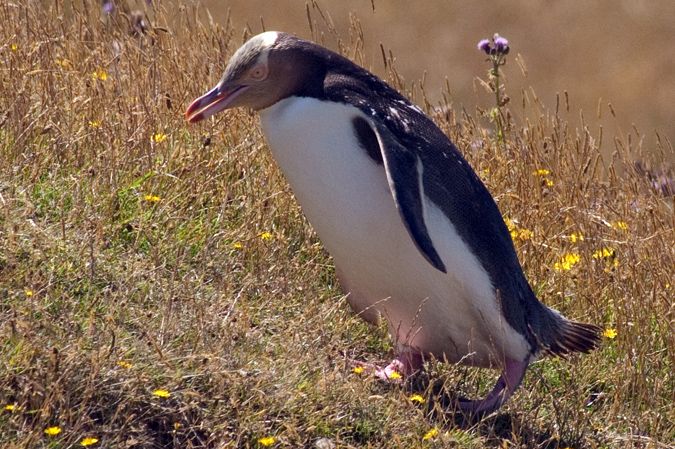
(9, 407)
(158, 138)
(524, 234)
(431, 434)
(160, 393)
(576, 237)
(237, 245)
(266, 236)
(484, 45)
(28, 292)
(548, 182)
(124, 364)
(620, 225)
(516, 232)
(510, 225)
(89, 441)
(94, 124)
(566, 262)
(395, 375)
(152, 198)
(99, 74)
(14, 47)
(417, 398)
(542, 172)
(604, 253)
(267, 441)
(53, 431)
(610, 333)
(358, 370)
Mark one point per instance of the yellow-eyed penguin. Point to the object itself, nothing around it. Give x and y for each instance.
(415, 235)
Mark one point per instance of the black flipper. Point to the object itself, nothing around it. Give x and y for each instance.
(404, 174)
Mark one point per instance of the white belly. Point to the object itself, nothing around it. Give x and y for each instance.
(346, 198)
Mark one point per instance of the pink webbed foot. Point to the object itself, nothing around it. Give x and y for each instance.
(404, 365)
(507, 383)
(401, 367)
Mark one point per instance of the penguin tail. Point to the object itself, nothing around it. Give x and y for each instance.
(565, 336)
(575, 337)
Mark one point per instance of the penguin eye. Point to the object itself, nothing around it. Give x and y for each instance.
(258, 73)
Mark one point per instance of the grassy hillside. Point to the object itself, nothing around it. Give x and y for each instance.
(159, 286)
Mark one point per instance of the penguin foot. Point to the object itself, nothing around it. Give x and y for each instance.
(507, 383)
(404, 365)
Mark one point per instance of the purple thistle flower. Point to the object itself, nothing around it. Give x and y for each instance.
(108, 6)
(484, 45)
(501, 44)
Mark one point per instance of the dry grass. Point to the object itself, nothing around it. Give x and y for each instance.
(138, 253)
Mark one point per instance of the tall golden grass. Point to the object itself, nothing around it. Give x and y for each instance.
(159, 286)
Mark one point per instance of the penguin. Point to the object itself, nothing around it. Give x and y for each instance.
(416, 237)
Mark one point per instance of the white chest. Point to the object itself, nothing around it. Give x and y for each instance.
(342, 191)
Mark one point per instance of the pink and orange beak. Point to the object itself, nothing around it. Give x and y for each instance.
(213, 101)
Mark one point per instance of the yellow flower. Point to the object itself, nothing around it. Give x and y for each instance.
(548, 182)
(358, 370)
(395, 375)
(10, 407)
(604, 253)
(267, 441)
(94, 124)
(14, 47)
(620, 225)
(542, 172)
(152, 198)
(28, 292)
(610, 333)
(89, 441)
(237, 245)
(266, 236)
(433, 433)
(417, 398)
(510, 225)
(567, 262)
(99, 74)
(177, 426)
(53, 431)
(576, 237)
(515, 231)
(124, 364)
(524, 234)
(158, 138)
(160, 393)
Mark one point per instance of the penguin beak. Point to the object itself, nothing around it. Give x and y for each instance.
(214, 101)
